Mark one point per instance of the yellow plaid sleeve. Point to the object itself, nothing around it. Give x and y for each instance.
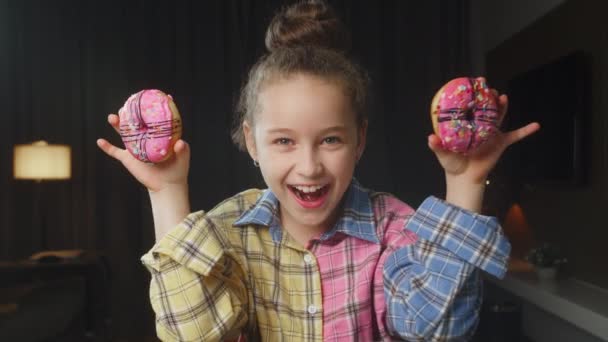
(198, 288)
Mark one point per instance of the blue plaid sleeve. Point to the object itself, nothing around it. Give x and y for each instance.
(433, 287)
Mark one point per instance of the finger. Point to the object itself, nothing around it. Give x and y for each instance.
(110, 149)
(182, 151)
(436, 145)
(179, 146)
(520, 133)
(503, 106)
(114, 121)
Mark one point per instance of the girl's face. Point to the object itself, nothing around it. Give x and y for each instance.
(307, 142)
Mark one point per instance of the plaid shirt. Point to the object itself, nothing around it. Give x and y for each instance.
(384, 271)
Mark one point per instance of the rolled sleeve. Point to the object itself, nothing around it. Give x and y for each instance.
(430, 298)
(197, 291)
(433, 287)
(476, 239)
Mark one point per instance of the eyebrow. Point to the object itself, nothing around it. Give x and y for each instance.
(324, 131)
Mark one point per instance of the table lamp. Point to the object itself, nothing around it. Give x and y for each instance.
(41, 161)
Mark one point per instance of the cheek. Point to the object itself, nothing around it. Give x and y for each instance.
(273, 165)
(341, 161)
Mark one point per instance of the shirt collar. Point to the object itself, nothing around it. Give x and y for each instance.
(264, 212)
(357, 219)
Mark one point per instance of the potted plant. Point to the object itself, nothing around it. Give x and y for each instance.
(546, 259)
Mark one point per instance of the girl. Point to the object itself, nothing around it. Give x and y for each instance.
(316, 256)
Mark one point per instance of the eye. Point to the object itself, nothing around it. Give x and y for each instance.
(283, 141)
(332, 140)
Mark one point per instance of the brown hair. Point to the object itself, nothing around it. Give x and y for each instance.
(308, 38)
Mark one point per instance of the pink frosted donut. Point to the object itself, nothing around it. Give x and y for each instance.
(464, 113)
(150, 125)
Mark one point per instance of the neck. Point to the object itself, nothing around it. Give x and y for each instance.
(302, 233)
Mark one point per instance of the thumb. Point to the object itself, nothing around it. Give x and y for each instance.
(436, 146)
(521, 133)
(182, 150)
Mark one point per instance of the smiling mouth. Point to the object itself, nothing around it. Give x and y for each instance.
(309, 196)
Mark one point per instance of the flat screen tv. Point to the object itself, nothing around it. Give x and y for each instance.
(557, 95)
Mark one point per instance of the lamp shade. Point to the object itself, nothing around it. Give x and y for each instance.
(41, 161)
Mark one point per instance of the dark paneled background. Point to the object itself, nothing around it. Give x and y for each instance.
(570, 215)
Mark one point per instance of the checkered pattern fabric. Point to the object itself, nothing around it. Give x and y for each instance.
(383, 272)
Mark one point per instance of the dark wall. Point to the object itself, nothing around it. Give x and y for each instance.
(573, 216)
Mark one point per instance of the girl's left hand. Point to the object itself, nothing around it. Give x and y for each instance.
(474, 166)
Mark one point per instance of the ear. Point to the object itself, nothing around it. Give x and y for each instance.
(362, 138)
(250, 140)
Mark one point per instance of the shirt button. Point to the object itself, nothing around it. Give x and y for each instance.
(312, 309)
(308, 259)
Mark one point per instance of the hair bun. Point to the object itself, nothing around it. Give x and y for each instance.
(307, 23)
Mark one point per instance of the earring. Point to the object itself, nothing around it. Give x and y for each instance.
(255, 163)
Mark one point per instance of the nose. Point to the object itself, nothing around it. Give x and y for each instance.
(309, 163)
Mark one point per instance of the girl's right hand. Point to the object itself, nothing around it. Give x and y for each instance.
(155, 177)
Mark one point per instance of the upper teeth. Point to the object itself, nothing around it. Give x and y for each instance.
(308, 189)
